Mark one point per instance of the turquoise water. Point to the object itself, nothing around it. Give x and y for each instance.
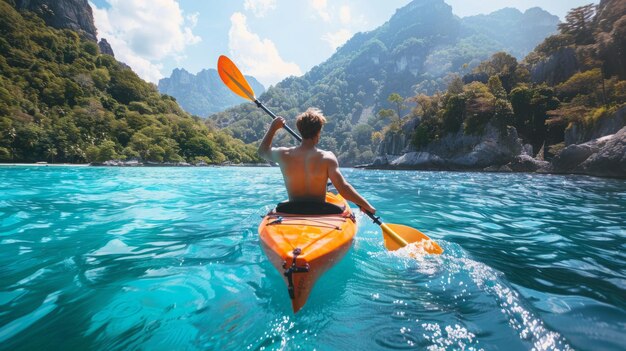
(169, 259)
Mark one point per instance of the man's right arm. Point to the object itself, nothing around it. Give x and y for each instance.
(265, 149)
(343, 187)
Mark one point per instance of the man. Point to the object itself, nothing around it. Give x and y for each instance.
(306, 169)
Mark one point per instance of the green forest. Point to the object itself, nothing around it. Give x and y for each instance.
(63, 101)
(500, 90)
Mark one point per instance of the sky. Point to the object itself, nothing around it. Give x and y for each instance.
(268, 39)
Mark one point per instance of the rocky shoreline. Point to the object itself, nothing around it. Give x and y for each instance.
(601, 157)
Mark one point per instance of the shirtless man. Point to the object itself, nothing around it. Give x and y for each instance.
(306, 169)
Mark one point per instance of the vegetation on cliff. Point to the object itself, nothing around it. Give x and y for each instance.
(502, 91)
(63, 101)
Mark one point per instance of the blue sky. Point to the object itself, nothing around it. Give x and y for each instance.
(268, 39)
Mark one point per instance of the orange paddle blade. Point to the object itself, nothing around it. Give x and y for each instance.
(395, 234)
(232, 77)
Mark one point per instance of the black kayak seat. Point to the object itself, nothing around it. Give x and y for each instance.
(308, 208)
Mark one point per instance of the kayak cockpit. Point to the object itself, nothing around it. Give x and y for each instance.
(309, 208)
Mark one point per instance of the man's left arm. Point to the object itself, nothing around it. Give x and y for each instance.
(265, 148)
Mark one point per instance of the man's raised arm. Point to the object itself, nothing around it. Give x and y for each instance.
(265, 148)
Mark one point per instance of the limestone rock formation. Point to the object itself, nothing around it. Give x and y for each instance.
(526, 163)
(459, 151)
(105, 47)
(577, 134)
(70, 14)
(604, 157)
(555, 69)
(204, 93)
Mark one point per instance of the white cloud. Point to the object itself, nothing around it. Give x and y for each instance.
(193, 19)
(321, 6)
(255, 56)
(344, 14)
(337, 38)
(143, 32)
(259, 7)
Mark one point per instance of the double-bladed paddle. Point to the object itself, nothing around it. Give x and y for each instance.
(395, 235)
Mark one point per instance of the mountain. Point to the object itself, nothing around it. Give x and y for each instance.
(562, 109)
(510, 30)
(204, 93)
(414, 51)
(63, 100)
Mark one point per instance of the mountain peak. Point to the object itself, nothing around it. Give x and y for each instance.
(70, 14)
(203, 93)
(180, 71)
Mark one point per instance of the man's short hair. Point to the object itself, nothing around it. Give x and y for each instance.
(310, 122)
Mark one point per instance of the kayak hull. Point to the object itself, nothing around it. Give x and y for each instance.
(303, 247)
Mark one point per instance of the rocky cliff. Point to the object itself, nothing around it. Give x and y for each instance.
(71, 14)
(460, 152)
(556, 68)
(604, 157)
(204, 93)
(600, 152)
(577, 133)
(105, 47)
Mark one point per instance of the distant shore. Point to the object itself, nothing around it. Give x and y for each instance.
(44, 164)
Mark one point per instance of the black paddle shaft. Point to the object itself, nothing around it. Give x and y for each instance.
(260, 104)
(374, 218)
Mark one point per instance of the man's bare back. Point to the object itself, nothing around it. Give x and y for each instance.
(307, 169)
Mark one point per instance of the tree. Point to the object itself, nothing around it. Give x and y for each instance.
(500, 63)
(454, 113)
(496, 88)
(578, 24)
(582, 83)
(107, 151)
(398, 100)
(51, 153)
(549, 46)
(5, 154)
(386, 113)
(362, 134)
(456, 85)
(125, 86)
(520, 102)
(503, 114)
(92, 153)
(427, 106)
(200, 146)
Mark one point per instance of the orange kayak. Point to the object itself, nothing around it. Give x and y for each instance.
(303, 247)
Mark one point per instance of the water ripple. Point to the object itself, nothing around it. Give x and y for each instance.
(140, 258)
